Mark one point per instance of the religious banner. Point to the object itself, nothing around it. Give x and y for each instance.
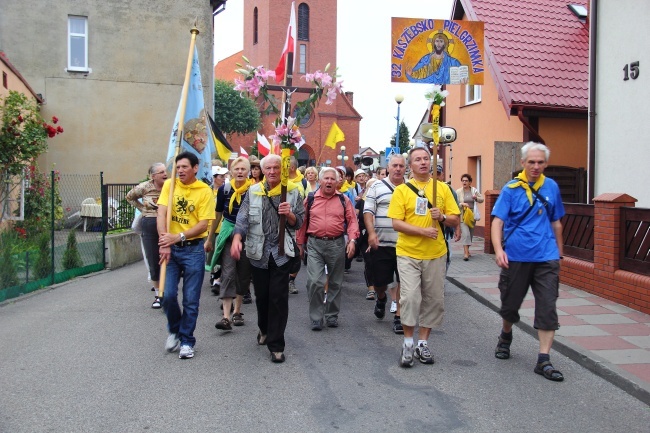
(437, 51)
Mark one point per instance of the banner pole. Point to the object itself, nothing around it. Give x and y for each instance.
(179, 137)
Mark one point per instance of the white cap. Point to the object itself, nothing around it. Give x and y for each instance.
(218, 170)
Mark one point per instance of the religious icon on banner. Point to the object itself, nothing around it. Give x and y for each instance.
(437, 51)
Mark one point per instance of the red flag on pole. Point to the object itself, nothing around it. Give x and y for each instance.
(289, 46)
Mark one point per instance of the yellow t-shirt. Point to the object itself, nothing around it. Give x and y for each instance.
(402, 207)
(192, 203)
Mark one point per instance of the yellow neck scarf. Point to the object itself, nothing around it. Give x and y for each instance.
(523, 182)
(237, 193)
(347, 185)
(298, 177)
(275, 190)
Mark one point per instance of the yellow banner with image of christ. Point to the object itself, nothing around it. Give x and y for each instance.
(437, 51)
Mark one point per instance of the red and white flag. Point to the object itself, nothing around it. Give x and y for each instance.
(263, 145)
(289, 47)
(243, 152)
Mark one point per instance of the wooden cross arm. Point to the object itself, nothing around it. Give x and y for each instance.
(293, 89)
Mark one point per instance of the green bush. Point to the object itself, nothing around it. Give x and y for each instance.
(71, 256)
(8, 275)
(43, 266)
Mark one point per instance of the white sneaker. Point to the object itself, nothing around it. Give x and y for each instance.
(173, 343)
(186, 352)
(393, 307)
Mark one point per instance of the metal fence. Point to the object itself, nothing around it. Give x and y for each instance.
(118, 212)
(60, 236)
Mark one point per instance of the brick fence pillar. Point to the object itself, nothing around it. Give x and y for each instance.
(607, 236)
(490, 198)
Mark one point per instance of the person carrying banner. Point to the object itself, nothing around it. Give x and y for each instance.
(182, 248)
(421, 251)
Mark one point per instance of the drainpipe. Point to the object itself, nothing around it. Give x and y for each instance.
(591, 155)
(535, 135)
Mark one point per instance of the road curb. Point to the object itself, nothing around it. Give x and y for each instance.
(591, 362)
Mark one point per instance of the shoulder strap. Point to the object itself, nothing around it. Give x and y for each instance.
(388, 185)
(541, 199)
(410, 185)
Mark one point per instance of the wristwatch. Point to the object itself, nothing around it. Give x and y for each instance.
(444, 217)
(183, 238)
(353, 240)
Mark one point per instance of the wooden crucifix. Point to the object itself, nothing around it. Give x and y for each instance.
(287, 90)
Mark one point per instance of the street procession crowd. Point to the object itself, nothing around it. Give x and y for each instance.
(398, 221)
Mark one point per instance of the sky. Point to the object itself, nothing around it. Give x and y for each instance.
(363, 59)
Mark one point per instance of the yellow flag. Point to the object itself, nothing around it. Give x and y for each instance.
(334, 136)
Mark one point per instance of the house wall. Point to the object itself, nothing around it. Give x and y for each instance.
(621, 131)
(118, 117)
(567, 141)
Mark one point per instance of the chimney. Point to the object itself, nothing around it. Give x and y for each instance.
(350, 96)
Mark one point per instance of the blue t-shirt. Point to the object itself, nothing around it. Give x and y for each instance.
(533, 240)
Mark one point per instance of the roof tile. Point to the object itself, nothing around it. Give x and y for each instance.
(541, 50)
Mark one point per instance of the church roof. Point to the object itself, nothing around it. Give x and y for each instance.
(538, 51)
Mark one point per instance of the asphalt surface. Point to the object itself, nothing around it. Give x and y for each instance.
(88, 356)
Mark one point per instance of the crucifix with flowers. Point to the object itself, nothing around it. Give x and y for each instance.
(254, 83)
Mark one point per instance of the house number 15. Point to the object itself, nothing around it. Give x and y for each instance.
(631, 71)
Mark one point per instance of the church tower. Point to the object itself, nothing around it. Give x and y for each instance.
(265, 28)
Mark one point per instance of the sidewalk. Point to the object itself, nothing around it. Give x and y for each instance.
(607, 338)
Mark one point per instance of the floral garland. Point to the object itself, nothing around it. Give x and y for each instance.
(254, 84)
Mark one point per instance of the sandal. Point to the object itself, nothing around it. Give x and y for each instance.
(503, 349)
(370, 295)
(237, 319)
(546, 369)
(156, 303)
(224, 325)
(261, 339)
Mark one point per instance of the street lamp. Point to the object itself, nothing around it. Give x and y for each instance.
(398, 99)
(342, 157)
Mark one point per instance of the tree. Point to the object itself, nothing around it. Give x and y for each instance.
(233, 113)
(404, 139)
(71, 256)
(43, 266)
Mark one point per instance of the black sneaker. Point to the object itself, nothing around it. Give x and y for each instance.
(332, 322)
(316, 325)
(397, 326)
(380, 308)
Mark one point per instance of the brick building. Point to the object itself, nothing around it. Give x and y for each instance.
(265, 27)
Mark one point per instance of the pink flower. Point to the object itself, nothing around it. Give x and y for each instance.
(263, 74)
(331, 96)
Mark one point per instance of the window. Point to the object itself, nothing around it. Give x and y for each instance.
(302, 65)
(472, 94)
(254, 26)
(78, 43)
(4, 80)
(303, 22)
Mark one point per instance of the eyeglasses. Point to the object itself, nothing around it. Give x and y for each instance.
(160, 172)
(465, 180)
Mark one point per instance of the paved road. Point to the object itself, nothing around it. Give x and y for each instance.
(88, 356)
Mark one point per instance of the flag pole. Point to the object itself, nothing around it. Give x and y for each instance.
(286, 159)
(179, 137)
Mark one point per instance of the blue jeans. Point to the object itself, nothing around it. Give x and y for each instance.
(187, 262)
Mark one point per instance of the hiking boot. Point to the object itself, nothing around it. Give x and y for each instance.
(186, 352)
(406, 358)
(380, 308)
(292, 287)
(316, 325)
(423, 353)
(173, 343)
(332, 322)
(397, 326)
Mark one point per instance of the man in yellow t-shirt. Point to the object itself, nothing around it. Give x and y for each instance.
(181, 247)
(421, 252)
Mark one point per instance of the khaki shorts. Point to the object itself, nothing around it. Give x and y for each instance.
(422, 291)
